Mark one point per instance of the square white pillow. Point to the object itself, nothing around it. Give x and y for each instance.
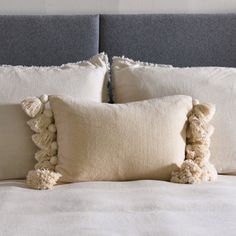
(84, 80)
(138, 81)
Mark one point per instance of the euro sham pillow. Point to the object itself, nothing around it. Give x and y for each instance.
(164, 139)
(86, 79)
(135, 82)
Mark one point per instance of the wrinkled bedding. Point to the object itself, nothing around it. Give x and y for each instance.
(120, 208)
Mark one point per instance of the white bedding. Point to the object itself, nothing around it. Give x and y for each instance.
(120, 208)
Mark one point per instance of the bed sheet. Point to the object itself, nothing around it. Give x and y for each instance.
(120, 208)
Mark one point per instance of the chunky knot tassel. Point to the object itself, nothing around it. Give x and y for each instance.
(32, 106)
(196, 168)
(42, 179)
(42, 123)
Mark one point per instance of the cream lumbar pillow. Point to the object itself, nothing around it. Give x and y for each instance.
(140, 140)
(84, 80)
(120, 142)
(138, 81)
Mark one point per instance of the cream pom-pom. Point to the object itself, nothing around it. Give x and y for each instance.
(189, 173)
(209, 172)
(197, 151)
(52, 128)
(42, 179)
(42, 155)
(54, 145)
(204, 111)
(44, 165)
(48, 113)
(46, 154)
(44, 98)
(197, 130)
(39, 123)
(195, 102)
(53, 160)
(32, 106)
(43, 140)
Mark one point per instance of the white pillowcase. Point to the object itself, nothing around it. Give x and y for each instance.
(137, 81)
(84, 80)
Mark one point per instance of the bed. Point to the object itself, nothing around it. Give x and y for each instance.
(119, 208)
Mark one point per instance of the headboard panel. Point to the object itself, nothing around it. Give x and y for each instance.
(47, 40)
(180, 40)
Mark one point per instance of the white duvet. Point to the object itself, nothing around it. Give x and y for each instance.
(120, 208)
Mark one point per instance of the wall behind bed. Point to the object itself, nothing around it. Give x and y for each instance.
(115, 6)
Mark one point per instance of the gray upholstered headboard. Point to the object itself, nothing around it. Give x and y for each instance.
(47, 40)
(180, 40)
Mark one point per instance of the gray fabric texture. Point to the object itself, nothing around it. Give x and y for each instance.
(180, 40)
(48, 40)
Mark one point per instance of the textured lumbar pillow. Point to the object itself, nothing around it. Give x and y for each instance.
(84, 80)
(140, 140)
(138, 81)
(120, 142)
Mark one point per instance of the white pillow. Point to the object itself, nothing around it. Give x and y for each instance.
(135, 82)
(85, 80)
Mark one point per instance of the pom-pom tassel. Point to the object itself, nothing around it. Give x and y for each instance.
(196, 168)
(42, 179)
(42, 123)
(43, 140)
(32, 106)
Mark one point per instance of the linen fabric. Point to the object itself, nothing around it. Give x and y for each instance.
(86, 79)
(142, 140)
(135, 82)
(120, 208)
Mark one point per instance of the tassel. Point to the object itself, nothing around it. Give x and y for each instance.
(32, 106)
(42, 179)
